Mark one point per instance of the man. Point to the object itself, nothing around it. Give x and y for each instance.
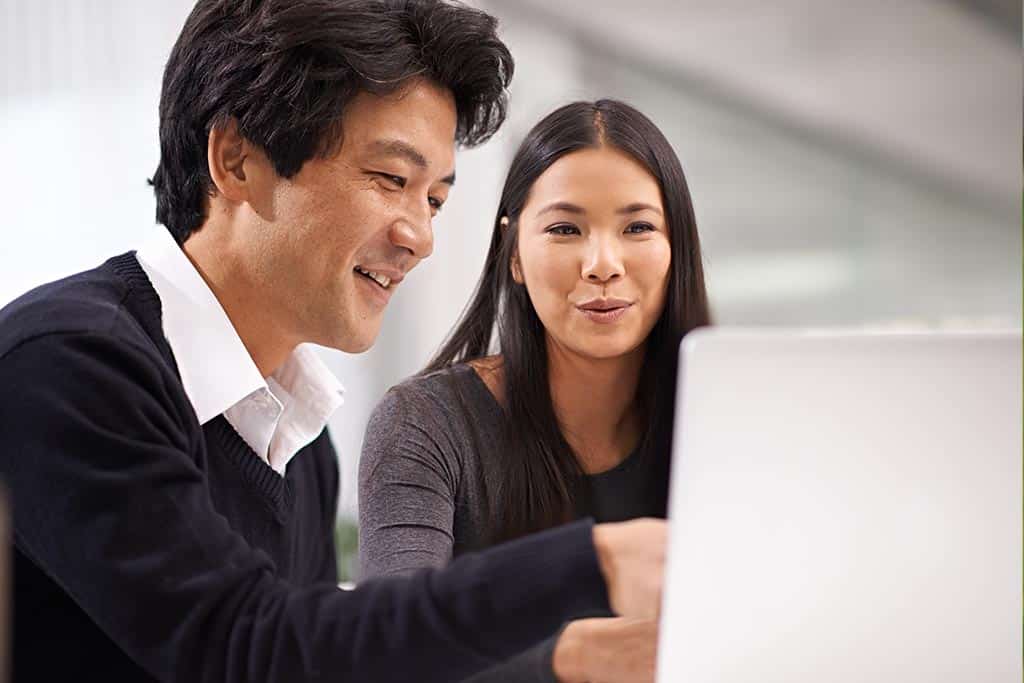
(173, 485)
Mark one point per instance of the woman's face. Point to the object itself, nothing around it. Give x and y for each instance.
(594, 252)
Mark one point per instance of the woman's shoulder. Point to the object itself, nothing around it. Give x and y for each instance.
(490, 371)
(440, 396)
(439, 418)
(437, 385)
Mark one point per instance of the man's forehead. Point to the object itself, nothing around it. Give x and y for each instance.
(417, 104)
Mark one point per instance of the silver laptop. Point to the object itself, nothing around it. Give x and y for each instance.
(845, 507)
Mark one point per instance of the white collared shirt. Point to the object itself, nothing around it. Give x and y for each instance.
(276, 417)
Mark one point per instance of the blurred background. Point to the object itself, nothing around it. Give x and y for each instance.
(854, 164)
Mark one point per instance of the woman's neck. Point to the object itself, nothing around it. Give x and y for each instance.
(595, 403)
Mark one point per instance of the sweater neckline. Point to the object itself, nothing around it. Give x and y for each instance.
(275, 489)
(143, 302)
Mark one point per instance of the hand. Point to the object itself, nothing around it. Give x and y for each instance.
(615, 650)
(632, 559)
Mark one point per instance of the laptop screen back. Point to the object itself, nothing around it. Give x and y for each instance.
(845, 507)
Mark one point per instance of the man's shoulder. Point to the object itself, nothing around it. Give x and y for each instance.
(90, 302)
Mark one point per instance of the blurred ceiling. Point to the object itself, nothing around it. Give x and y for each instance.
(930, 86)
(1004, 14)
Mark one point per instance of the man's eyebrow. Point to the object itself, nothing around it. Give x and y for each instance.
(402, 149)
(639, 206)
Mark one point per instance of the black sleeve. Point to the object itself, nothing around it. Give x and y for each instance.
(532, 666)
(331, 481)
(111, 502)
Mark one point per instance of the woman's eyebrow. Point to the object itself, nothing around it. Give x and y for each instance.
(574, 208)
(637, 207)
(562, 206)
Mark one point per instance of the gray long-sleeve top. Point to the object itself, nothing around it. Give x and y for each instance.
(421, 491)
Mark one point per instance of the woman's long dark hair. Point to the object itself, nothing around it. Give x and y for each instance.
(533, 484)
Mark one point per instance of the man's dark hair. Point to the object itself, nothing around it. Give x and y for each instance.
(285, 69)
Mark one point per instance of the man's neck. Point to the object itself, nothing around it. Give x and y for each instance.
(595, 402)
(239, 296)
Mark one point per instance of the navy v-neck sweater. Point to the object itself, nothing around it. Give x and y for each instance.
(148, 547)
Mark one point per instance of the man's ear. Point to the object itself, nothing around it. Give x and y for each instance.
(226, 152)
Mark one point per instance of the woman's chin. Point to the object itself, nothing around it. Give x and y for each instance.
(604, 349)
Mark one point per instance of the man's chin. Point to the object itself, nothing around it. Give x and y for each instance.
(355, 341)
(357, 347)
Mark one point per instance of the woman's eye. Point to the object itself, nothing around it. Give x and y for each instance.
(435, 203)
(563, 229)
(637, 228)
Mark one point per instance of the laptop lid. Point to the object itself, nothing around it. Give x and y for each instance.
(845, 507)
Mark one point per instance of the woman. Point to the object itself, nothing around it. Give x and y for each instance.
(592, 278)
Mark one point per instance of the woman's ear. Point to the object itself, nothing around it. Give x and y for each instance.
(517, 271)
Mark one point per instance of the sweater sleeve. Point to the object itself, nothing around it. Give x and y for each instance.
(331, 482)
(407, 485)
(532, 666)
(110, 500)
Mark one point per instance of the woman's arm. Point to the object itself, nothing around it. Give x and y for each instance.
(407, 500)
(407, 484)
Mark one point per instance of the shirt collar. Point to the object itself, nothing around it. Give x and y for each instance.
(216, 370)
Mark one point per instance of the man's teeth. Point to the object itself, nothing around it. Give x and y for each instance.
(384, 282)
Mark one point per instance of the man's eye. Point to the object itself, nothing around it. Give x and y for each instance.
(396, 180)
(563, 229)
(637, 228)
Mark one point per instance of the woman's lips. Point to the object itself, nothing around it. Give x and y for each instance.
(604, 315)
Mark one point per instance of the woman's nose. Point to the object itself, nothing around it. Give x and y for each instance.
(603, 263)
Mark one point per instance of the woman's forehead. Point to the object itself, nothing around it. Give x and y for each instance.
(593, 179)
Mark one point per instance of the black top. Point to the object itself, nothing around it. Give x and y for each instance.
(150, 548)
(422, 493)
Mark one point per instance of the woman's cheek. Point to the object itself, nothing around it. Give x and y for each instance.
(553, 277)
(656, 271)
(653, 263)
(555, 268)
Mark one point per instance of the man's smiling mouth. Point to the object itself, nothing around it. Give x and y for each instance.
(383, 281)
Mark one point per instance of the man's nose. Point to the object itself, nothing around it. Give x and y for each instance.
(414, 232)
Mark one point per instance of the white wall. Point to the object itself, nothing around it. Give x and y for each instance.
(799, 228)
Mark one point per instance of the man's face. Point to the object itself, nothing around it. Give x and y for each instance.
(333, 242)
